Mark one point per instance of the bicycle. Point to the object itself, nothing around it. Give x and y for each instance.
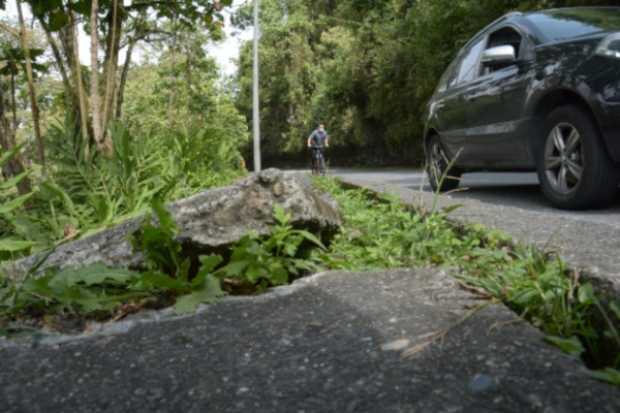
(318, 160)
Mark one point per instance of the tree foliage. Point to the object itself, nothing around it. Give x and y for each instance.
(365, 68)
(117, 25)
(172, 129)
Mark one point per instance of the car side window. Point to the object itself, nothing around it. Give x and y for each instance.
(506, 36)
(468, 70)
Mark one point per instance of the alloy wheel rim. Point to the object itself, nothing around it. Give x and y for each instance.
(564, 161)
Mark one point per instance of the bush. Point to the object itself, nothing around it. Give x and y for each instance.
(83, 194)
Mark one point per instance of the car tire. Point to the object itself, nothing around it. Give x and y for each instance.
(440, 177)
(574, 169)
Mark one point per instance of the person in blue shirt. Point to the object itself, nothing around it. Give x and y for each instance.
(319, 139)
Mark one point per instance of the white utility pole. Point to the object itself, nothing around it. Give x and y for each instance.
(256, 108)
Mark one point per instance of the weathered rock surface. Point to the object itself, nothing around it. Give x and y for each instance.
(337, 342)
(212, 219)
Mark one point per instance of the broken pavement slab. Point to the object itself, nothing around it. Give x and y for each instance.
(210, 220)
(335, 342)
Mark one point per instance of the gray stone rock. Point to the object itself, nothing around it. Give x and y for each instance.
(212, 219)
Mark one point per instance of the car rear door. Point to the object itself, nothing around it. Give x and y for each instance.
(496, 129)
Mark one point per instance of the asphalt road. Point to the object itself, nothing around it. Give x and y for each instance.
(519, 190)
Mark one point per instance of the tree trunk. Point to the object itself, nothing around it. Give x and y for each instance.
(31, 88)
(70, 96)
(15, 166)
(73, 55)
(120, 96)
(111, 64)
(13, 104)
(173, 96)
(188, 70)
(103, 145)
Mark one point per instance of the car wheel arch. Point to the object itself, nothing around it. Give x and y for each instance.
(548, 102)
(552, 100)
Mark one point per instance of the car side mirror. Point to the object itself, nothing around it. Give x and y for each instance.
(499, 55)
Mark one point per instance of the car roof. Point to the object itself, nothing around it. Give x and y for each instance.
(558, 10)
(584, 21)
(525, 21)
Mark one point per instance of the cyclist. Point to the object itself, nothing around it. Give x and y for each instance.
(318, 140)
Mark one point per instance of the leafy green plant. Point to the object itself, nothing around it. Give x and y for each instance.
(571, 345)
(274, 260)
(158, 244)
(204, 288)
(609, 375)
(168, 269)
(10, 244)
(254, 260)
(95, 288)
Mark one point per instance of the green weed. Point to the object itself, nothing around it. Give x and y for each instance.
(12, 243)
(168, 268)
(274, 260)
(169, 276)
(87, 290)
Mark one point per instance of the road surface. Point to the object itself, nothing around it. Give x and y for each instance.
(519, 190)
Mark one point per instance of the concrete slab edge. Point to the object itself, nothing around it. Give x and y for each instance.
(111, 328)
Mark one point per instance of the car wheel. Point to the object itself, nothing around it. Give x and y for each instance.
(574, 169)
(441, 175)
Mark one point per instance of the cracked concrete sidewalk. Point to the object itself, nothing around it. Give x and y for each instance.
(334, 342)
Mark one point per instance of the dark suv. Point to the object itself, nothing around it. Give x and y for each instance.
(534, 92)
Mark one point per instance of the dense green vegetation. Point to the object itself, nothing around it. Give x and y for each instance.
(76, 158)
(364, 68)
(170, 276)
